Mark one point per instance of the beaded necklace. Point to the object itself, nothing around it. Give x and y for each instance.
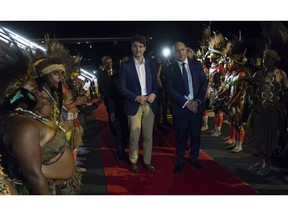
(35, 116)
(55, 112)
(4, 190)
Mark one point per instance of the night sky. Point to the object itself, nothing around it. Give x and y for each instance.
(163, 33)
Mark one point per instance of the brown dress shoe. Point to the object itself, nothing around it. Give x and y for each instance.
(149, 167)
(134, 168)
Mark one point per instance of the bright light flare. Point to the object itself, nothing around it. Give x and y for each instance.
(166, 52)
(21, 41)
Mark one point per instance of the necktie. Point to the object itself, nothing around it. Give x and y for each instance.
(185, 79)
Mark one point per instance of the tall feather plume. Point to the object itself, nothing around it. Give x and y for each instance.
(206, 35)
(55, 50)
(219, 43)
(236, 46)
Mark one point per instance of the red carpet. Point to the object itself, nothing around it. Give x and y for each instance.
(213, 179)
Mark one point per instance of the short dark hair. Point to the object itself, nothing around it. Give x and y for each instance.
(105, 58)
(139, 38)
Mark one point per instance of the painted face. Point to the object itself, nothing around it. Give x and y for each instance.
(138, 49)
(268, 61)
(180, 51)
(55, 77)
(231, 65)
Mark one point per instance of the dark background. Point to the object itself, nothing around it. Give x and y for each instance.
(112, 37)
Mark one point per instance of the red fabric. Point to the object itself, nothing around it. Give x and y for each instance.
(213, 179)
(76, 122)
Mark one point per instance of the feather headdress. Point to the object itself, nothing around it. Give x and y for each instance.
(218, 44)
(236, 50)
(204, 43)
(275, 35)
(56, 57)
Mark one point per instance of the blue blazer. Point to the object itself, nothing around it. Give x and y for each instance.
(175, 86)
(129, 84)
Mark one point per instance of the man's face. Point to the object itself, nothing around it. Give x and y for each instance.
(138, 49)
(190, 53)
(108, 64)
(180, 51)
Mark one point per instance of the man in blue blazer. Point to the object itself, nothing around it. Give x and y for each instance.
(186, 85)
(138, 85)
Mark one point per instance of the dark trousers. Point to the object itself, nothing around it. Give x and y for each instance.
(187, 123)
(119, 128)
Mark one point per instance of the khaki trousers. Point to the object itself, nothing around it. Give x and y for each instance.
(143, 119)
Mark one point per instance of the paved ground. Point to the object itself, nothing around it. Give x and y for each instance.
(237, 163)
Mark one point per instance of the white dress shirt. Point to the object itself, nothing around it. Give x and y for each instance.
(140, 67)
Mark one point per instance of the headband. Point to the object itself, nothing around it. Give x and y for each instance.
(272, 53)
(52, 68)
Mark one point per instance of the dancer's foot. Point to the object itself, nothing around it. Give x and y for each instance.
(237, 149)
(230, 141)
(216, 134)
(204, 128)
(212, 131)
(232, 146)
(255, 167)
(264, 171)
(226, 138)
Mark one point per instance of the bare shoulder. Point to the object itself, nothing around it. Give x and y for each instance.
(19, 124)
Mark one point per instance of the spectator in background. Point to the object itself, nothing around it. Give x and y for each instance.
(123, 59)
(190, 53)
(108, 84)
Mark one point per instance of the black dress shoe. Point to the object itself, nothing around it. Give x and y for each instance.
(178, 168)
(134, 168)
(149, 167)
(196, 164)
(122, 158)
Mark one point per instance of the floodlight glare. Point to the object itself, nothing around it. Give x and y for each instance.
(25, 43)
(166, 52)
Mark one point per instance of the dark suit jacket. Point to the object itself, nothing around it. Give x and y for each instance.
(108, 89)
(129, 85)
(175, 86)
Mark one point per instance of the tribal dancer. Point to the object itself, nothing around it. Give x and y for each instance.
(232, 100)
(37, 153)
(270, 86)
(217, 51)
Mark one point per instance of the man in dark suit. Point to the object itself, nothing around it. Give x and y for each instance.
(113, 100)
(138, 85)
(186, 85)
